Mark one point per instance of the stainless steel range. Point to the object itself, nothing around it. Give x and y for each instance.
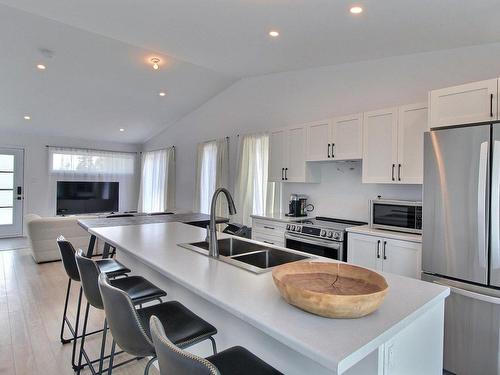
(321, 236)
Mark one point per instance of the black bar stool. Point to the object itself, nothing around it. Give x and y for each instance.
(138, 288)
(235, 360)
(130, 326)
(111, 267)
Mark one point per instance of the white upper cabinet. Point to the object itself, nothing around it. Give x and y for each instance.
(336, 139)
(287, 156)
(276, 155)
(393, 150)
(319, 135)
(380, 149)
(412, 124)
(347, 137)
(464, 104)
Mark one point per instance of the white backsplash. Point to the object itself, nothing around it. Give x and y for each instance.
(342, 195)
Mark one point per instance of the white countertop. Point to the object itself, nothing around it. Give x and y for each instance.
(335, 343)
(366, 229)
(279, 216)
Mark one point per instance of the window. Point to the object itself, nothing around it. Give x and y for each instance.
(254, 194)
(212, 168)
(157, 193)
(91, 161)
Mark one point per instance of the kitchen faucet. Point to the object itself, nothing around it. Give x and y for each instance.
(213, 246)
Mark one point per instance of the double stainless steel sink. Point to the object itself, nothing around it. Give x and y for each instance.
(251, 256)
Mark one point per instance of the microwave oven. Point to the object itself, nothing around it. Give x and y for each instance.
(396, 215)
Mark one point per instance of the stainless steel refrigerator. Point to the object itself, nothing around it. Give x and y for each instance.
(461, 241)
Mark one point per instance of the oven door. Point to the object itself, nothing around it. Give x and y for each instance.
(314, 246)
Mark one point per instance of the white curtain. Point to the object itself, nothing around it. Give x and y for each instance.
(212, 172)
(157, 191)
(254, 194)
(74, 164)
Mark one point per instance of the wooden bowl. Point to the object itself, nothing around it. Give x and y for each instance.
(315, 287)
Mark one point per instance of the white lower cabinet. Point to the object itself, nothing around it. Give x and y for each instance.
(384, 254)
(268, 231)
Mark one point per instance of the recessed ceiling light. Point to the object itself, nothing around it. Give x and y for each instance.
(274, 33)
(122, 130)
(155, 61)
(356, 10)
(41, 67)
(162, 93)
(27, 117)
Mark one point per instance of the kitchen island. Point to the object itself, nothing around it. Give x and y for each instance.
(405, 336)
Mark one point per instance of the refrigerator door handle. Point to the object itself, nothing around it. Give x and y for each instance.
(469, 293)
(482, 196)
(495, 207)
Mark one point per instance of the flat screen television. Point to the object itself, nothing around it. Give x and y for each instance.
(85, 197)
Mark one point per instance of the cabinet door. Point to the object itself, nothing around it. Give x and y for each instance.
(464, 104)
(364, 251)
(380, 146)
(347, 133)
(276, 155)
(295, 159)
(402, 258)
(412, 124)
(318, 141)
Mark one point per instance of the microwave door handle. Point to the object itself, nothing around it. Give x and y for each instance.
(482, 212)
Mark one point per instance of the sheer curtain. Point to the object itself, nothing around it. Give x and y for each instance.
(157, 191)
(212, 172)
(74, 164)
(254, 194)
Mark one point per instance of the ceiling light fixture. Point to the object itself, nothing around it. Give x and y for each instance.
(162, 93)
(356, 10)
(155, 61)
(41, 67)
(122, 130)
(27, 117)
(274, 33)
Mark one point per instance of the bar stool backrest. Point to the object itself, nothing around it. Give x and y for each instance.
(174, 360)
(68, 258)
(89, 273)
(123, 320)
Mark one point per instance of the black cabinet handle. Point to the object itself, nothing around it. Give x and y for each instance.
(385, 243)
(282, 171)
(393, 166)
(491, 105)
(265, 226)
(378, 249)
(270, 243)
(399, 172)
(286, 170)
(333, 145)
(328, 149)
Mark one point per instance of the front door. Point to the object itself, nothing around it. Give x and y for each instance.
(11, 192)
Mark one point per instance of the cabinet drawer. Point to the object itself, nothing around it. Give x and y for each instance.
(269, 227)
(272, 240)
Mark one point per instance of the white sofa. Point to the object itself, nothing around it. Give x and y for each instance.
(43, 232)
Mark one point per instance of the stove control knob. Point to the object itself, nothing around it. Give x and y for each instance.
(288, 227)
(298, 229)
(323, 233)
(330, 234)
(292, 227)
(336, 236)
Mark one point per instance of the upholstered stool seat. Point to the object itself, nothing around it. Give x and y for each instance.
(239, 361)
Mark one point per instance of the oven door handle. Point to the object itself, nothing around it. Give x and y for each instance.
(319, 242)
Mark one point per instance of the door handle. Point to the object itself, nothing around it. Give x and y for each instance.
(385, 244)
(482, 212)
(399, 172)
(393, 166)
(333, 145)
(378, 249)
(328, 149)
(282, 171)
(265, 226)
(491, 105)
(269, 242)
(286, 170)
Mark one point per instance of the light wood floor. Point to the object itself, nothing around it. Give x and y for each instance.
(31, 305)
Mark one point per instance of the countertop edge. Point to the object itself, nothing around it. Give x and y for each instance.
(366, 230)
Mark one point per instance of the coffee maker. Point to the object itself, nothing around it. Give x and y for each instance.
(298, 206)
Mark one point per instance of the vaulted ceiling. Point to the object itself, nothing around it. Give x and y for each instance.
(99, 81)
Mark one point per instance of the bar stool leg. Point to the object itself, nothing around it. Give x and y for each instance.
(77, 322)
(64, 319)
(111, 357)
(103, 346)
(83, 340)
(148, 366)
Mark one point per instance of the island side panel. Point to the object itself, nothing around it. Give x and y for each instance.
(231, 330)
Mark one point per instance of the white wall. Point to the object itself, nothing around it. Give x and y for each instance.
(264, 102)
(36, 181)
